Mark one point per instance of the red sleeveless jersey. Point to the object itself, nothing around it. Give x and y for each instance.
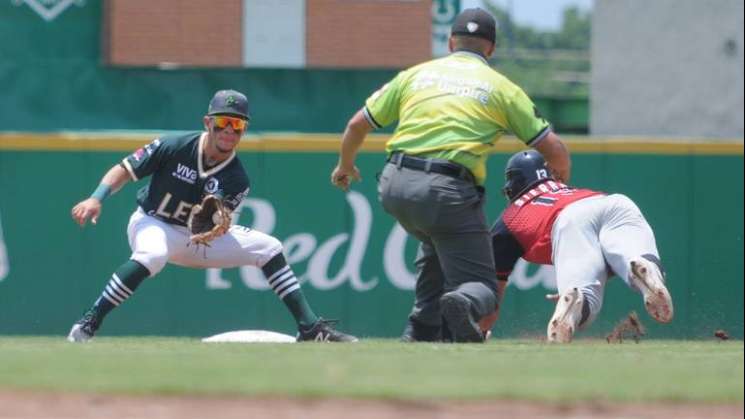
(531, 217)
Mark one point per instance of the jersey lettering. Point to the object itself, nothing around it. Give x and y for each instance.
(182, 211)
(546, 187)
(459, 86)
(185, 173)
(162, 207)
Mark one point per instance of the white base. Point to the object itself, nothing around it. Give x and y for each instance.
(250, 336)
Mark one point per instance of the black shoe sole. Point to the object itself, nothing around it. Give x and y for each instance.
(456, 310)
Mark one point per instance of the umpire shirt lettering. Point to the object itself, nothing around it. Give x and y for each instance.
(454, 108)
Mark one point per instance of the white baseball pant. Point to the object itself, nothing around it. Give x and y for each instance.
(594, 234)
(155, 243)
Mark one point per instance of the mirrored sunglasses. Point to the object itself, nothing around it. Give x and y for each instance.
(222, 122)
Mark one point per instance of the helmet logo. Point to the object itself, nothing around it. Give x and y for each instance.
(472, 27)
(541, 174)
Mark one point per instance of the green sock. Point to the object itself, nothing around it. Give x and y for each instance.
(300, 309)
(285, 285)
(121, 286)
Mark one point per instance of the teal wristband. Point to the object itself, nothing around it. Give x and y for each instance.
(102, 192)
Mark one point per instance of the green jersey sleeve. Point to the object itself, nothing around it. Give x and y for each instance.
(233, 193)
(145, 160)
(382, 107)
(524, 119)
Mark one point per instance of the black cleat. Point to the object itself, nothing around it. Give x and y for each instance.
(84, 329)
(460, 321)
(418, 332)
(323, 331)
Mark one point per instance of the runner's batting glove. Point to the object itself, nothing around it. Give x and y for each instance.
(208, 220)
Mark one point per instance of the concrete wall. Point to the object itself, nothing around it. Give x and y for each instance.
(274, 33)
(667, 68)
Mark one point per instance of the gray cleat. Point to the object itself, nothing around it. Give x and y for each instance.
(649, 279)
(567, 316)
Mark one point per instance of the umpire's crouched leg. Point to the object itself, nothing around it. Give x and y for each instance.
(463, 308)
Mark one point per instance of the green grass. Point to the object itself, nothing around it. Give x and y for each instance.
(506, 369)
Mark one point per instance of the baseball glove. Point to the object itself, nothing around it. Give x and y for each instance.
(208, 220)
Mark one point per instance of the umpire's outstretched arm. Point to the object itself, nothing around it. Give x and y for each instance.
(557, 156)
(354, 134)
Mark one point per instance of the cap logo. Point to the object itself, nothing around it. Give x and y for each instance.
(472, 27)
(230, 100)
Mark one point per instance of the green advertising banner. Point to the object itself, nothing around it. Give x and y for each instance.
(354, 261)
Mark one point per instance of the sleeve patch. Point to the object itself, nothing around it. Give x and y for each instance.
(137, 155)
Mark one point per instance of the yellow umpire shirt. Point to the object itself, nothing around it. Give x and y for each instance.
(454, 108)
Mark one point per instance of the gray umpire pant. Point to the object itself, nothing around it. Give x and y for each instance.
(446, 214)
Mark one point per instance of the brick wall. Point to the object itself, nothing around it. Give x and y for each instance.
(368, 33)
(193, 32)
(339, 33)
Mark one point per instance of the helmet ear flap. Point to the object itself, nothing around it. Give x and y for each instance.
(514, 183)
(507, 192)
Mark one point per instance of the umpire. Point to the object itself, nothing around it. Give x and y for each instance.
(451, 111)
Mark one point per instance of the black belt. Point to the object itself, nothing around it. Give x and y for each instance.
(429, 165)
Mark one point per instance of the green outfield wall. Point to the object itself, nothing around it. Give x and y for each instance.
(355, 263)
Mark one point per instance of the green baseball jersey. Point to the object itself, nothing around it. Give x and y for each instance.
(179, 179)
(454, 108)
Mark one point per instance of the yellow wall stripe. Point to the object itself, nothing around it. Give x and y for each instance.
(291, 142)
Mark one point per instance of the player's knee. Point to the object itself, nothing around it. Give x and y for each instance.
(626, 202)
(268, 249)
(154, 262)
(273, 246)
(483, 298)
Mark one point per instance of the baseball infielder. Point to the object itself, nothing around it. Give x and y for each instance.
(183, 169)
(588, 236)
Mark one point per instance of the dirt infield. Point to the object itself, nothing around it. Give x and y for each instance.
(34, 405)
